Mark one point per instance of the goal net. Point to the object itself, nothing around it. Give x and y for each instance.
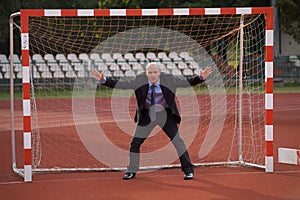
(78, 125)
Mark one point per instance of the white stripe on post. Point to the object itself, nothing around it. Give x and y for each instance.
(243, 11)
(269, 160)
(85, 12)
(24, 41)
(26, 107)
(268, 70)
(25, 74)
(269, 132)
(149, 12)
(117, 12)
(52, 12)
(181, 11)
(269, 37)
(27, 140)
(27, 173)
(212, 11)
(269, 101)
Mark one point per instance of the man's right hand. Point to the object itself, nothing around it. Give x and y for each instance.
(97, 75)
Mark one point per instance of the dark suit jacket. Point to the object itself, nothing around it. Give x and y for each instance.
(140, 85)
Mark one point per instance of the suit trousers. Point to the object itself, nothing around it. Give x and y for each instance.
(167, 122)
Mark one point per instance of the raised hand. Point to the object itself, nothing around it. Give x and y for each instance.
(206, 72)
(97, 75)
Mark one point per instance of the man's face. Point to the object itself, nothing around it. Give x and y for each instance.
(153, 73)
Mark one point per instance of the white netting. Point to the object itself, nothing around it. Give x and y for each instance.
(80, 126)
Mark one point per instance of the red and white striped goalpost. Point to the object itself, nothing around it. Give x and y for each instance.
(269, 49)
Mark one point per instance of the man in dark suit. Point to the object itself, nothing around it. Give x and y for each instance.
(155, 95)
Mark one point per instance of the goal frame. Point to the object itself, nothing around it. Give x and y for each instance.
(27, 171)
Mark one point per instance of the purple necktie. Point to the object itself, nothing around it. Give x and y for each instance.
(152, 108)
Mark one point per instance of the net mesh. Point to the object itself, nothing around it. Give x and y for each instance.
(79, 125)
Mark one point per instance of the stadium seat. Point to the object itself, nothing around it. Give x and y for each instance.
(117, 56)
(72, 57)
(78, 66)
(82, 74)
(140, 56)
(166, 60)
(18, 68)
(130, 73)
(95, 57)
(101, 67)
(46, 74)
(107, 74)
(7, 75)
(4, 64)
(162, 55)
(293, 58)
(49, 58)
(3, 59)
(36, 75)
(84, 57)
(182, 65)
(86, 61)
(75, 62)
(66, 67)
(151, 56)
(193, 65)
(173, 55)
(297, 63)
(63, 61)
(137, 66)
(118, 74)
(20, 75)
(61, 58)
(16, 59)
(171, 66)
(58, 74)
(42, 68)
(114, 67)
(121, 61)
(71, 74)
(39, 61)
(54, 68)
(165, 71)
(129, 57)
(125, 66)
(161, 66)
(5, 68)
(107, 58)
(140, 71)
(176, 72)
(187, 72)
(51, 61)
(37, 58)
(185, 55)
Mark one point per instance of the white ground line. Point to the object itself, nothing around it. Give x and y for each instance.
(110, 177)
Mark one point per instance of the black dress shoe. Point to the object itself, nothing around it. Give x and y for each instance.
(128, 175)
(188, 176)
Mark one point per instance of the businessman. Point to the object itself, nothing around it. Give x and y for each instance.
(155, 94)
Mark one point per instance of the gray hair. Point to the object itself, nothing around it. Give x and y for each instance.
(152, 63)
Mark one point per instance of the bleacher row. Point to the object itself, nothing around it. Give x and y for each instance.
(115, 65)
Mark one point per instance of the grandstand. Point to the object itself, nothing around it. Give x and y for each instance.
(115, 64)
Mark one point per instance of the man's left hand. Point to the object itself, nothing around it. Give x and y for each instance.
(205, 73)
